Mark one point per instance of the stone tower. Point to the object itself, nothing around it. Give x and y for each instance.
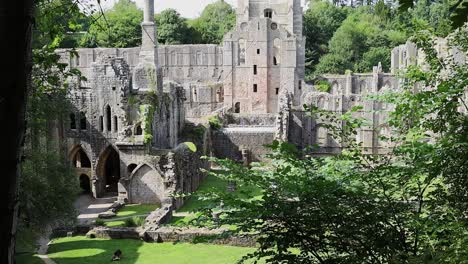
(264, 55)
(147, 74)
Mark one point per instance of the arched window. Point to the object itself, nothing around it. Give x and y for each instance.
(81, 160)
(116, 124)
(108, 118)
(237, 108)
(268, 13)
(72, 121)
(82, 121)
(138, 130)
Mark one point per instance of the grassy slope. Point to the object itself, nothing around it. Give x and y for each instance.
(78, 250)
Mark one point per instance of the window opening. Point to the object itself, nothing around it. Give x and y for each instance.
(108, 118)
(82, 121)
(72, 121)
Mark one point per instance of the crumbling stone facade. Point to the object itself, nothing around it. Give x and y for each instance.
(123, 130)
(128, 116)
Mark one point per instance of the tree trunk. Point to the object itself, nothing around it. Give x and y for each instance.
(16, 21)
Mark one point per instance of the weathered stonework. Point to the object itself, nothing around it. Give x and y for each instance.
(125, 128)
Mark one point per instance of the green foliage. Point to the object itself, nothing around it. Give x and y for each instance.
(321, 21)
(191, 146)
(322, 86)
(134, 221)
(373, 57)
(99, 222)
(57, 22)
(359, 43)
(146, 116)
(119, 27)
(215, 122)
(172, 28)
(214, 22)
(405, 207)
(456, 15)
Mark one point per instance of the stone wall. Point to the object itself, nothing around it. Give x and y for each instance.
(230, 141)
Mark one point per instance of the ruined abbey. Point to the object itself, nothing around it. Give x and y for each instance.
(126, 131)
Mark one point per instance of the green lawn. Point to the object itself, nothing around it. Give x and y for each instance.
(129, 211)
(79, 250)
(192, 205)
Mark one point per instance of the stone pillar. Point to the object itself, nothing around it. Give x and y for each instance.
(148, 27)
(147, 75)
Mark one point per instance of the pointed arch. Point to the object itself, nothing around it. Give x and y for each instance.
(79, 157)
(108, 170)
(146, 185)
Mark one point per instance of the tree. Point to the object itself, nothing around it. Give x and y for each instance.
(118, 27)
(214, 22)
(457, 10)
(321, 21)
(405, 207)
(172, 28)
(361, 33)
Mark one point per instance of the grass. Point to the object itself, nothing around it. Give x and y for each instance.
(193, 204)
(78, 250)
(28, 258)
(129, 211)
(26, 247)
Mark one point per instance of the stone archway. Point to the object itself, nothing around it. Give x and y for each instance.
(108, 171)
(82, 165)
(146, 185)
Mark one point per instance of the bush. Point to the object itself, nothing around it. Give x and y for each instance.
(99, 222)
(322, 86)
(134, 221)
(215, 122)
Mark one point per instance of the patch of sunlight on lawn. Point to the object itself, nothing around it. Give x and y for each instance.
(80, 253)
(136, 209)
(78, 250)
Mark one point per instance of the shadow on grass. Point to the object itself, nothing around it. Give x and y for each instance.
(77, 250)
(96, 251)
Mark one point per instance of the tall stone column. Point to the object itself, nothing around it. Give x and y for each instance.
(147, 74)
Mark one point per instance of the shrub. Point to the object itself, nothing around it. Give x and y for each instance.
(129, 222)
(134, 221)
(139, 221)
(322, 86)
(99, 222)
(215, 122)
